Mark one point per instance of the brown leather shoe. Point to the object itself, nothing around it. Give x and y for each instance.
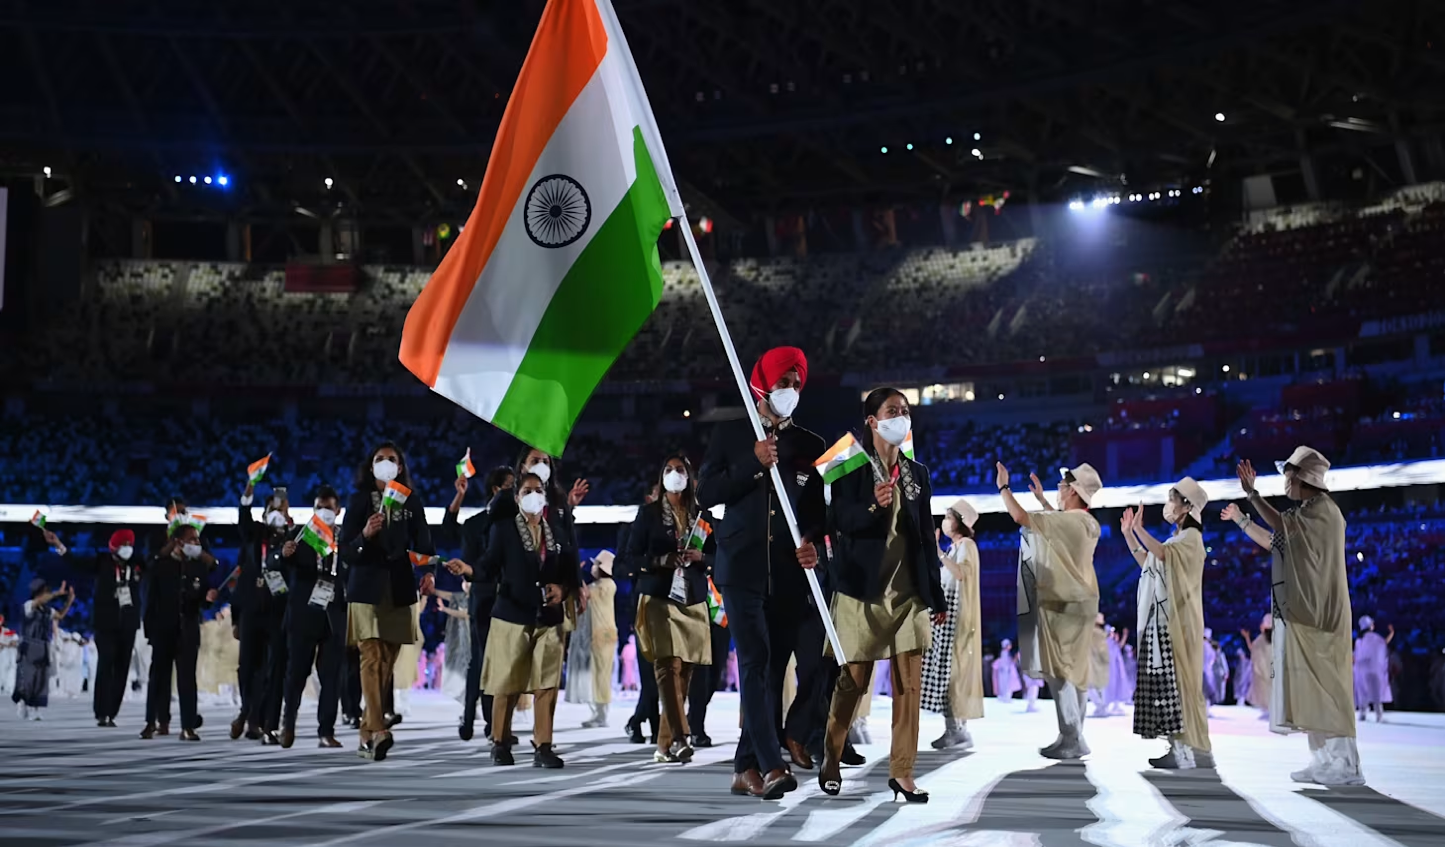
(749, 783)
(189, 735)
(329, 742)
(799, 755)
(288, 737)
(149, 732)
(777, 783)
(238, 726)
(163, 729)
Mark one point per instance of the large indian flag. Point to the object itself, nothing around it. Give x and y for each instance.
(557, 268)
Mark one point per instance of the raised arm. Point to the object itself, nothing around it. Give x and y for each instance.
(1038, 490)
(1150, 543)
(1267, 513)
(1257, 533)
(1126, 527)
(1011, 503)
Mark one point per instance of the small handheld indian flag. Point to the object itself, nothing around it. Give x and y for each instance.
(465, 468)
(422, 560)
(318, 536)
(184, 519)
(841, 459)
(700, 531)
(394, 496)
(38, 520)
(257, 469)
(715, 608)
(907, 445)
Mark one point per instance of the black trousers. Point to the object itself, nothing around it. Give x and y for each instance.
(351, 685)
(808, 716)
(481, 626)
(176, 651)
(263, 666)
(315, 639)
(706, 681)
(113, 649)
(765, 633)
(648, 707)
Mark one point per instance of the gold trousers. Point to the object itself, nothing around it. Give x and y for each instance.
(545, 708)
(378, 661)
(673, 678)
(907, 677)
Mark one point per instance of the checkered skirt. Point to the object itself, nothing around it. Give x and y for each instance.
(1158, 712)
(938, 661)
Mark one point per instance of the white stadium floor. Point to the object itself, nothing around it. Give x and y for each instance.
(64, 781)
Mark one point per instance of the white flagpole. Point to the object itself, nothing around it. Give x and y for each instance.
(750, 403)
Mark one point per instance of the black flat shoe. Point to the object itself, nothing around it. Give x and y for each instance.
(391, 720)
(464, 731)
(701, 741)
(851, 757)
(502, 755)
(919, 796)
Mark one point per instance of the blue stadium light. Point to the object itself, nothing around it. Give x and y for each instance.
(910, 146)
(883, 150)
(978, 136)
(223, 179)
(178, 177)
(207, 180)
(948, 140)
(193, 180)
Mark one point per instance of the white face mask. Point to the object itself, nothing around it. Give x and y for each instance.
(275, 519)
(191, 551)
(384, 470)
(1172, 513)
(784, 401)
(534, 502)
(674, 481)
(949, 527)
(894, 430)
(124, 552)
(327, 516)
(543, 472)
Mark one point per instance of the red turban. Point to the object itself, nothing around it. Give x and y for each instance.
(773, 364)
(122, 538)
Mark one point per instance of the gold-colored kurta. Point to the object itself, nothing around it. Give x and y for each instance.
(521, 658)
(1184, 574)
(603, 611)
(667, 630)
(1313, 654)
(898, 622)
(1068, 592)
(965, 682)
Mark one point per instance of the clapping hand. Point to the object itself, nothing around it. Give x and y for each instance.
(1126, 522)
(1231, 513)
(1003, 477)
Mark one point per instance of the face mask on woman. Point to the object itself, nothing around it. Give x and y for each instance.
(1172, 512)
(385, 469)
(533, 502)
(542, 470)
(675, 481)
(191, 551)
(124, 553)
(894, 430)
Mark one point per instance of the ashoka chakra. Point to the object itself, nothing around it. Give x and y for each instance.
(557, 211)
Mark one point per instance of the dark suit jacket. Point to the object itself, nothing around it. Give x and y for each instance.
(303, 570)
(175, 595)
(650, 543)
(472, 536)
(754, 547)
(862, 535)
(379, 567)
(110, 573)
(519, 576)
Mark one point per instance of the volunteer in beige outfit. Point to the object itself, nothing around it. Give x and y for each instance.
(1058, 597)
(1169, 697)
(602, 613)
(953, 666)
(1313, 687)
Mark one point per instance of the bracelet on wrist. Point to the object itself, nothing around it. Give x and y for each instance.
(1003, 488)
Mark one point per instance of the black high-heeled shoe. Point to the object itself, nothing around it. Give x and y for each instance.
(919, 796)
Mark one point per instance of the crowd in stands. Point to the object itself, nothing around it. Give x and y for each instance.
(182, 322)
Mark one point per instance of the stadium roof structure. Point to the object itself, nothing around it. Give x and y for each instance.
(765, 104)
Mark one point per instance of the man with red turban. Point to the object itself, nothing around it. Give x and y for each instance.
(116, 617)
(758, 569)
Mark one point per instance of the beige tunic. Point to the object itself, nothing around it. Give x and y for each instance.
(603, 610)
(521, 658)
(1099, 659)
(1062, 546)
(1261, 662)
(965, 683)
(404, 672)
(898, 622)
(1184, 573)
(1313, 652)
(667, 630)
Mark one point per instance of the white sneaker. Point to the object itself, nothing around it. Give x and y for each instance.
(22, 711)
(1075, 750)
(1338, 777)
(1306, 775)
(35, 714)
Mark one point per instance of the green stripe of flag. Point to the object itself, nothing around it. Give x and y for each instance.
(609, 292)
(842, 469)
